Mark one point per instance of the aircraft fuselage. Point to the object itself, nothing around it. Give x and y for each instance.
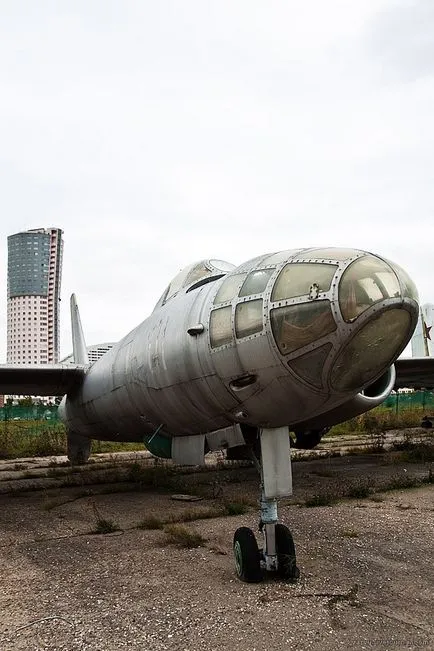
(283, 339)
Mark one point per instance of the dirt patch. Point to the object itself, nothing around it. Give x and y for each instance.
(366, 572)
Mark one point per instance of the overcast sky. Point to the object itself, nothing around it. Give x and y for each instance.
(159, 133)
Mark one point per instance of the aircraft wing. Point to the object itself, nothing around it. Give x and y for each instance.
(40, 379)
(414, 372)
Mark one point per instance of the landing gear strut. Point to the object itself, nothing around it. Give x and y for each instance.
(77, 448)
(278, 552)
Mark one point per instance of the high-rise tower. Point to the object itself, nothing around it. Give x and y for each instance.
(422, 342)
(34, 278)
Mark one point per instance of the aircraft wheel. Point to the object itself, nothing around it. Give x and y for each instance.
(247, 559)
(287, 568)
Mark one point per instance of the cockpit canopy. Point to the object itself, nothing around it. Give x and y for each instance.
(195, 275)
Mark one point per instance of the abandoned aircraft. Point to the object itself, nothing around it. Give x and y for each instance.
(244, 358)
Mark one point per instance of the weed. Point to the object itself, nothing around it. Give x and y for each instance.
(422, 452)
(177, 534)
(358, 491)
(20, 466)
(115, 446)
(377, 441)
(33, 438)
(377, 498)
(136, 473)
(401, 481)
(235, 508)
(102, 525)
(321, 499)
(349, 533)
(105, 526)
(154, 476)
(379, 420)
(189, 515)
(151, 522)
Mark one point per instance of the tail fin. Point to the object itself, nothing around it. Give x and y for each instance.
(79, 349)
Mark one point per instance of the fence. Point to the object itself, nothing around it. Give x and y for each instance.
(415, 399)
(29, 412)
(396, 401)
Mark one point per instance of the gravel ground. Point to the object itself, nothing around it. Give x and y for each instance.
(366, 580)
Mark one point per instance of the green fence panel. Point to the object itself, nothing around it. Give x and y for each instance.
(416, 399)
(396, 401)
(29, 412)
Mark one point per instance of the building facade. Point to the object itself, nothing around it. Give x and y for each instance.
(34, 281)
(422, 343)
(93, 352)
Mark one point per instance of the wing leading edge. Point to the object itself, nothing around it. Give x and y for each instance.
(414, 372)
(41, 380)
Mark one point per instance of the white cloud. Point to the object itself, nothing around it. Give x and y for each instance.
(156, 134)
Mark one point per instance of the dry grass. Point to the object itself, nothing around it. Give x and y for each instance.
(183, 537)
(349, 533)
(150, 523)
(33, 438)
(361, 490)
(380, 420)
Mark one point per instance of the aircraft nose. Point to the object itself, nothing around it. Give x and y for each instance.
(381, 301)
(369, 281)
(340, 317)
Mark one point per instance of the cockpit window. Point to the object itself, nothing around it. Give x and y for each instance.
(196, 272)
(367, 281)
(295, 326)
(310, 365)
(256, 282)
(248, 318)
(229, 288)
(296, 279)
(330, 253)
(281, 256)
(408, 287)
(372, 350)
(220, 327)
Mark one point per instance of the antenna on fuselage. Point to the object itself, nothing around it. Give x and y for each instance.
(79, 349)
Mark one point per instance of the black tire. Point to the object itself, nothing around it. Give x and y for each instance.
(247, 558)
(286, 559)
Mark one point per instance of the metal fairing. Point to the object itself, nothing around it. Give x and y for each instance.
(162, 378)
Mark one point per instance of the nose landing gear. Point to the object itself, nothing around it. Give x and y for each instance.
(278, 552)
